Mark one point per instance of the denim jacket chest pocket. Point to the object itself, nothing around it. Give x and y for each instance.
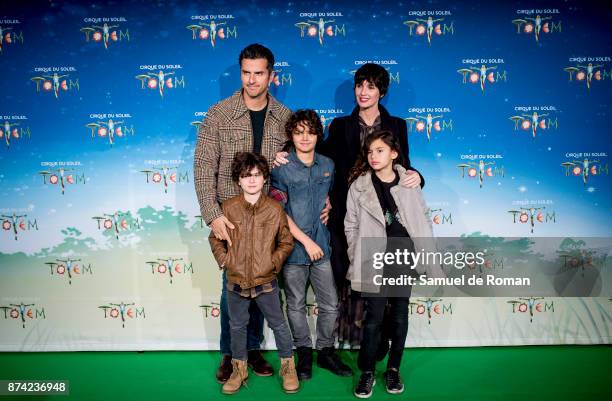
(323, 186)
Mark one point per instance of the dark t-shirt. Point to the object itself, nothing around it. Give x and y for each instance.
(397, 237)
(257, 122)
(387, 203)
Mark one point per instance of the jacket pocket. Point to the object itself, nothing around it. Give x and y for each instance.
(232, 141)
(278, 140)
(265, 243)
(231, 134)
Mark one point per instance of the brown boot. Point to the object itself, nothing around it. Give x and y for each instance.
(224, 370)
(259, 365)
(239, 376)
(288, 373)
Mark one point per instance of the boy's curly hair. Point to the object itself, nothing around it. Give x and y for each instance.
(244, 162)
(308, 117)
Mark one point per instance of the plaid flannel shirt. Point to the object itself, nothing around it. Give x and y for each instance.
(253, 292)
(225, 131)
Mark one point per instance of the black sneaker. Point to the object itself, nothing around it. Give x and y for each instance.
(393, 382)
(364, 387)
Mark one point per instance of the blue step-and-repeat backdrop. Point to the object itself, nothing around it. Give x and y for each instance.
(102, 246)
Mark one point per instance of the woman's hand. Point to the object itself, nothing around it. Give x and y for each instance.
(411, 179)
(325, 212)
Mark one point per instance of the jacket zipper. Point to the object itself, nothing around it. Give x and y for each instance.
(250, 264)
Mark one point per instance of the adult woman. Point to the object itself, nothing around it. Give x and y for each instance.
(346, 137)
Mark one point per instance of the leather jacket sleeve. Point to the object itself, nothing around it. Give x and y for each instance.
(219, 248)
(284, 244)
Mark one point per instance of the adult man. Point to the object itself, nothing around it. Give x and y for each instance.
(250, 120)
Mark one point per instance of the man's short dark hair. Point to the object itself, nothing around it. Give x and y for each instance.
(255, 51)
(374, 74)
(244, 162)
(308, 117)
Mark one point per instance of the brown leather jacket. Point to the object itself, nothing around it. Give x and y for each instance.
(261, 241)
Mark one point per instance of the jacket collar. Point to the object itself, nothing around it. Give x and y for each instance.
(368, 199)
(363, 183)
(385, 117)
(294, 158)
(248, 206)
(240, 107)
(352, 133)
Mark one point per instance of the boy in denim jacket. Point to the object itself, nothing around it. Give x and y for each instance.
(304, 183)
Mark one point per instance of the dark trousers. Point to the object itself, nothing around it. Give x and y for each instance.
(269, 305)
(254, 328)
(396, 327)
(339, 258)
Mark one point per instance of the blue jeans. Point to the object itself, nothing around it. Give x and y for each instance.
(254, 328)
(269, 304)
(321, 277)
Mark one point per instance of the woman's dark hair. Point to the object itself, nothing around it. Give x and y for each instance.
(362, 166)
(374, 74)
(244, 162)
(255, 51)
(308, 117)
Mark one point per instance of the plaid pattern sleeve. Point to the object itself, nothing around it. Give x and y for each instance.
(205, 167)
(278, 195)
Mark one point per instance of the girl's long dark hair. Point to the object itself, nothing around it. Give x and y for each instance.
(362, 166)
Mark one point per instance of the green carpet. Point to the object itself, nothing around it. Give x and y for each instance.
(575, 373)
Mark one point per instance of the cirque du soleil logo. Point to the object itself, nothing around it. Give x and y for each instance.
(103, 31)
(319, 25)
(489, 72)
(427, 120)
(210, 28)
(161, 78)
(538, 25)
(585, 165)
(63, 176)
(117, 223)
(212, 309)
(434, 24)
(22, 313)
(11, 129)
(282, 74)
(69, 268)
(532, 306)
(584, 259)
(15, 224)
(533, 119)
(9, 34)
(110, 126)
(481, 169)
(589, 72)
(55, 80)
(439, 216)
(170, 267)
(389, 65)
(532, 215)
(430, 308)
(165, 175)
(123, 311)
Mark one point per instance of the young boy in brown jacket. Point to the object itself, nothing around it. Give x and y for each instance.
(252, 258)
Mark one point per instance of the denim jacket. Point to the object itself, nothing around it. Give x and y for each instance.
(306, 188)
